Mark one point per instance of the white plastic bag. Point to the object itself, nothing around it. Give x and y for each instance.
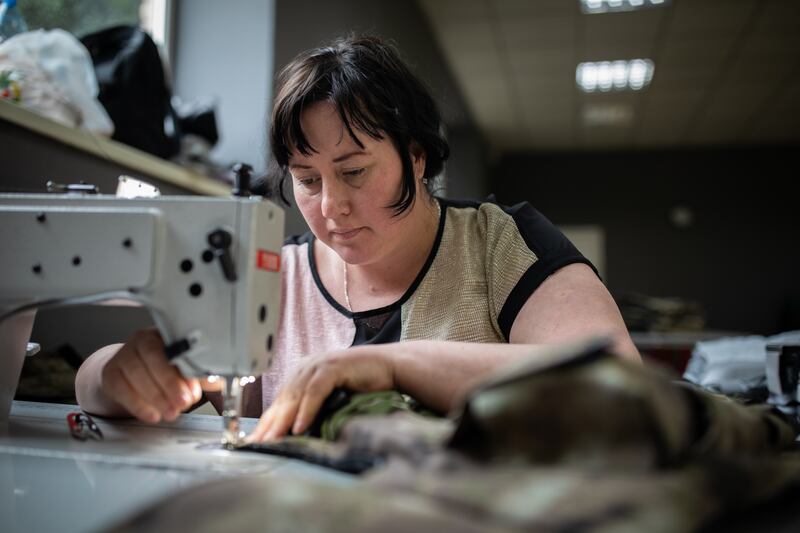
(57, 78)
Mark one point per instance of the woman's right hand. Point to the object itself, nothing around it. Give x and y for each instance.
(136, 379)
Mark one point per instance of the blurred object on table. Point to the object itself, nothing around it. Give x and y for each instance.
(651, 313)
(735, 366)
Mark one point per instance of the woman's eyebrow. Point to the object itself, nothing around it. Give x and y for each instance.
(339, 159)
(349, 155)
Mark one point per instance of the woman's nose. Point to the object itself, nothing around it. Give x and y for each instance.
(335, 199)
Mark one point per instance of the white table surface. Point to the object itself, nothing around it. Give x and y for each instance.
(50, 481)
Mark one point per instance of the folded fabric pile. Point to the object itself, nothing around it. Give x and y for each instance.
(735, 366)
(651, 313)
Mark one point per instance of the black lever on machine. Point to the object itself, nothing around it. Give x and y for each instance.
(241, 185)
(220, 241)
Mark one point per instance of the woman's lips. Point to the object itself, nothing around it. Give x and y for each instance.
(346, 235)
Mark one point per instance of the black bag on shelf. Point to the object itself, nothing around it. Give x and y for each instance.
(133, 89)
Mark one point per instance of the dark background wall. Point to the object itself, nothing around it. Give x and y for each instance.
(740, 258)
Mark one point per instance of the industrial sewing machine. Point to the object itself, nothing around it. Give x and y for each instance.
(207, 269)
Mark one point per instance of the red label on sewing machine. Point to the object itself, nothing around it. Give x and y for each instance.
(268, 261)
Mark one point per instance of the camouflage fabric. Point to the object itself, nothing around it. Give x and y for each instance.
(49, 376)
(577, 440)
(318, 445)
(367, 403)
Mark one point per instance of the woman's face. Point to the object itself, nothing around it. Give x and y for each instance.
(343, 190)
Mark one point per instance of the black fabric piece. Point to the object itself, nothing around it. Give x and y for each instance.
(350, 463)
(134, 90)
(200, 121)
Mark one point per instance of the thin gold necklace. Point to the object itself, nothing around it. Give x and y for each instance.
(346, 292)
(344, 263)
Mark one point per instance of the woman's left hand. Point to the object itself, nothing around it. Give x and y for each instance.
(359, 369)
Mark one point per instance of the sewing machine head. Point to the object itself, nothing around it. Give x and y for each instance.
(207, 269)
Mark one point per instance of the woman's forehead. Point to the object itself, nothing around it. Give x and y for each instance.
(328, 136)
(330, 149)
(322, 125)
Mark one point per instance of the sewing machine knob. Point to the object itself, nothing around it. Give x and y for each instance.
(220, 241)
(242, 179)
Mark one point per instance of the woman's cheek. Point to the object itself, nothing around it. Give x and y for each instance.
(311, 212)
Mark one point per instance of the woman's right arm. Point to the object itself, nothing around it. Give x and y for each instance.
(135, 379)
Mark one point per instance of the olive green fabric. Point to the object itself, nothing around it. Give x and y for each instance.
(576, 440)
(366, 403)
(347, 456)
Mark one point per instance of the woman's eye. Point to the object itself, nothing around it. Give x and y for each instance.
(353, 173)
(309, 183)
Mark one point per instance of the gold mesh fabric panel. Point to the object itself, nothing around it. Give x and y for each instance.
(480, 259)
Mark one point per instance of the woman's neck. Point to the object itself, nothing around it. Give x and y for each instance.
(400, 268)
(379, 283)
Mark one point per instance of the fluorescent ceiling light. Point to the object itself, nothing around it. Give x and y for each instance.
(611, 6)
(605, 76)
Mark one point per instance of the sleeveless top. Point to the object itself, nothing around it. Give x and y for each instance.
(486, 261)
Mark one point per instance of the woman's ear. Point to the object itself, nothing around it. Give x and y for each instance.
(417, 159)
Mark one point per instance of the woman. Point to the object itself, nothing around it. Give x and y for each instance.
(392, 288)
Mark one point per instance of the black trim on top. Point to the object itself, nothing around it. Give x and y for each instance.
(525, 287)
(298, 240)
(553, 251)
(403, 299)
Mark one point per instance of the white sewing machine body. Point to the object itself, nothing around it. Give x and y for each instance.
(207, 269)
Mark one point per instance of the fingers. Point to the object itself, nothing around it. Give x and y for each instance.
(298, 402)
(283, 416)
(144, 383)
(359, 369)
(165, 376)
(128, 397)
(261, 429)
(276, 421)
(196, 389)
(319, 387)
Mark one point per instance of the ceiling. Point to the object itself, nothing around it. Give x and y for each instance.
(726, 71)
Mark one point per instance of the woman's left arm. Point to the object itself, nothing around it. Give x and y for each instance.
(569, 305)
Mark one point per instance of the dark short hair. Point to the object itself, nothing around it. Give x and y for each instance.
(373, 92)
